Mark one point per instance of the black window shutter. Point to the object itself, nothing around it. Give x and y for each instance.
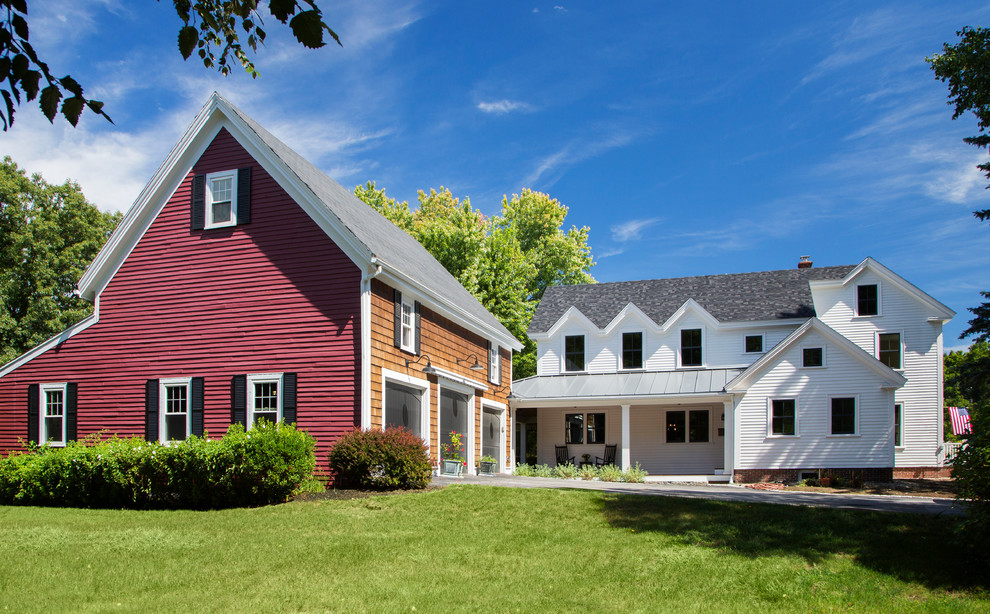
(71, 403)
(151, 410)
(244, 195)
(397, 332)
(197, 406)
(289, 397)
(489, 357)
(238, 400)
(197, 213)
(417, 335)
(34, 392)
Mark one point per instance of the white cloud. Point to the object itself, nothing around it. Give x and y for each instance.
(560, 8)
(501, 107)
(552, 167)
(631, 230)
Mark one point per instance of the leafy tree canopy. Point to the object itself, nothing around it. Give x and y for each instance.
(505, 261)
(48, 235)
(211, 28)
(965, 66)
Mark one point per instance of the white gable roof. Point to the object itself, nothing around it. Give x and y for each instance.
(367, 238)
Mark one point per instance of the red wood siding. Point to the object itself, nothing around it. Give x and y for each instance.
(275, 295)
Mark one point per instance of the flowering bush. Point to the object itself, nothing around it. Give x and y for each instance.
(389, 459)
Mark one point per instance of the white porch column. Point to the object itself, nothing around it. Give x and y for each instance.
(729, 441)
(625, 438)
(511, 432)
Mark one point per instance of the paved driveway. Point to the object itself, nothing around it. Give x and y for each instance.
(878, 503)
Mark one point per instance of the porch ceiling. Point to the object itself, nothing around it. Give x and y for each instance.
(619, 386)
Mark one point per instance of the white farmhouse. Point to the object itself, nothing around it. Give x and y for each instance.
(745, 377)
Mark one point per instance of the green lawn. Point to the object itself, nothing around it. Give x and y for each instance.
(484, 549)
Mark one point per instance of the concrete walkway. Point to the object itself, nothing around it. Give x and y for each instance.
(877, 503)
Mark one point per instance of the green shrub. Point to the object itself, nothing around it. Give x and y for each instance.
(262, 466)
(588, 472)
(542, 471)
(971, 472)
(610, 473)
(389, 459)
(522, 469)
(565, 471)
(634, 474)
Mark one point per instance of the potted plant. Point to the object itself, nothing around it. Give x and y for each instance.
(487, 465)
(452, 455)
(585, 459)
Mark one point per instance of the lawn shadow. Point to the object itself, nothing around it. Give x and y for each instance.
(911, 547)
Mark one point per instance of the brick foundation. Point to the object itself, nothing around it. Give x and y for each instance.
(867, 474)
(922, 473)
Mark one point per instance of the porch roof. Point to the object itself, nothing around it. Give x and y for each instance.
(623, 386)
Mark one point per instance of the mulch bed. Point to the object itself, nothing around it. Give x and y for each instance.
(909, 488)
(343, 494)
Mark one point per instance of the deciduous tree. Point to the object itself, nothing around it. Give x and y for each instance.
(48, 235)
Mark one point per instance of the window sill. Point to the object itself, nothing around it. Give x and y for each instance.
(859, 317)
(782, 437)
(842, 436)
(691, 367)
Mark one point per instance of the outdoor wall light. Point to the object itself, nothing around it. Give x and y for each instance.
(477, 366)
(428, 369)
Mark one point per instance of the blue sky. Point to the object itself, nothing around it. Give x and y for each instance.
(691, 138)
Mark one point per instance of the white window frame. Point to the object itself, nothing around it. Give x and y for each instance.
(899, 446)
(495, 364)
(797, 425)
(680, 349)
(563, 353)
(876, 345)
(425, 408)
(622, 350)
(812, 347)
(857, 412)
(43, 390)
(208, 214)
(409, 306)
(879, 312)
(163, 385)
(763, 343)
(264, 378)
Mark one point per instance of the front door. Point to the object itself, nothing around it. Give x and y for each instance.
(491, 435)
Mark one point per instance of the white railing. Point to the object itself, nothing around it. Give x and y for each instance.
(949, 451)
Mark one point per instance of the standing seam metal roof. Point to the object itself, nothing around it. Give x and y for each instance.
(612, 385)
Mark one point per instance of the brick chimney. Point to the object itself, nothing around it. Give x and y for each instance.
(805, 262)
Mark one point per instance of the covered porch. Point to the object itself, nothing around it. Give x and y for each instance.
(677, 425)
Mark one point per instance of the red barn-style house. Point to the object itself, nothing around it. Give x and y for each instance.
(246, 284)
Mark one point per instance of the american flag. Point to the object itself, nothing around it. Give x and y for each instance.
(960, 421)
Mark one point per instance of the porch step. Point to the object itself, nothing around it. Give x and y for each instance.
(709, 479)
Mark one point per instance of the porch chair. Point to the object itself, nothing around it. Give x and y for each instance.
(609, 456)
(562, 455)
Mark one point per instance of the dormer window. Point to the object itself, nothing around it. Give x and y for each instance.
(632, 350)
(574, 353)
(867, 300)
(691, 347)
(221, 199)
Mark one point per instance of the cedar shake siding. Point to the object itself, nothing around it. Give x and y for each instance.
(275, 295)
(443, 342)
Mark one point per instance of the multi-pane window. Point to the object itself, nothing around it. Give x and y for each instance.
(843, 415)
(221, 196)
(632, 350)
(408, 327)
(698, 428)
(175, 414)
(264, 398)
(53, 417)
(889, 349)
(675, 427)
(898, 424)
(574, 428)
(754, 344)
(688, 426)
(691, 347)
(596, 428)
(403, 407)
(574, 353)
(783, 414)
(813, 357)
(867, 300)
(494, 364)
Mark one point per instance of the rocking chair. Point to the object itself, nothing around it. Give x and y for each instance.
(609, 456)
(562, 457)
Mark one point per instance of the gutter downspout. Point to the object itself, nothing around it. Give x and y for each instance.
(366, 278)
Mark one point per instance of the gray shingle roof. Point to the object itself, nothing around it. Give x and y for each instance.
(383, 239)
(738, 297)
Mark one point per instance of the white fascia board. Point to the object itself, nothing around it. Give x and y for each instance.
(630, 312)
(44, 346)
(690, 306)
(742, 381)
(573, 314)
(944, 312)
(791, 322)
(397, 279)
(646, 399)
(215, 115)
